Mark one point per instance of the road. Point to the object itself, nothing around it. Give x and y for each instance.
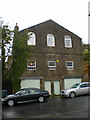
(53, 108)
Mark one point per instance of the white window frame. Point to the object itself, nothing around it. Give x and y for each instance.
(51, 67)
(30, 67)
(31, 39)
(67, 41)
(68, 66)
(50, 40)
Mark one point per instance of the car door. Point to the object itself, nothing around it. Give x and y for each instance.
(33, 94)
(83, 89)
(88, 84)
(22, 95)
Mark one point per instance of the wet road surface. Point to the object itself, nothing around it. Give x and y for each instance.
(53, 108)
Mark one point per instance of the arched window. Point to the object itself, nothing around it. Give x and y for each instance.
(50, 40)
(31, 39)
(68, 41)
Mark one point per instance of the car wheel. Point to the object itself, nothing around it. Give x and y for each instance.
(11, 103)
(41, 99)
(72, 94)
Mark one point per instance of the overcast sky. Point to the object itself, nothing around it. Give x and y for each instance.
(71, 14)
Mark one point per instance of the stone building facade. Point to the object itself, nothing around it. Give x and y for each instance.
(55, 62)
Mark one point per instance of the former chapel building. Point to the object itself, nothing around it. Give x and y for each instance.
(56, 62)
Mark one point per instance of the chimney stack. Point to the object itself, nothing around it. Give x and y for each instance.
(16, 28)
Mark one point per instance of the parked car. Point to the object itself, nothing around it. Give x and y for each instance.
(77, 89)
(26, 95)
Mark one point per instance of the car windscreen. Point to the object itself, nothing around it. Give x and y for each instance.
(75, 86)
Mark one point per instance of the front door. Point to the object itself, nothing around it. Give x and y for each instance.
(48, 86)
(56, 87)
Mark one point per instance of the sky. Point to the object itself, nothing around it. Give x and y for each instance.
(71, 14)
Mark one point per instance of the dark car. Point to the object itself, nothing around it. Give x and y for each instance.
(26, 95)
(4, 93)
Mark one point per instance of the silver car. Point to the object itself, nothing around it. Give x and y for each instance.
(77, 89)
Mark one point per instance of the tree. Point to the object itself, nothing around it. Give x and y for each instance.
(11, 77)
(86, 58)
(7, 36)
(86, 52)
(20, 56)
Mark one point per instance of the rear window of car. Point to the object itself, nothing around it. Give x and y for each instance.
(85, 85)
(33, 90)
(88, 84)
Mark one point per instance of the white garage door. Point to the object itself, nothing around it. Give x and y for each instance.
(71, 81)
(48, 86)
(30, 83)
(56, 87)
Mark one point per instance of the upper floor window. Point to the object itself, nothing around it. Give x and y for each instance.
(31, 65)
(31, 39)
(50, 40)
(52, 65)
(69, 65)
(68, 41)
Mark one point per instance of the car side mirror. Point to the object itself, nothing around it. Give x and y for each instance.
(18, 94)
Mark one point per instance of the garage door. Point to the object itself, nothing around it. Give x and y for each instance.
(71, 81)
(48, 86)
(56, 87)
(30, 83)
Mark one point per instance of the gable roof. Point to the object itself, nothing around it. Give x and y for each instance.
(50, 21)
